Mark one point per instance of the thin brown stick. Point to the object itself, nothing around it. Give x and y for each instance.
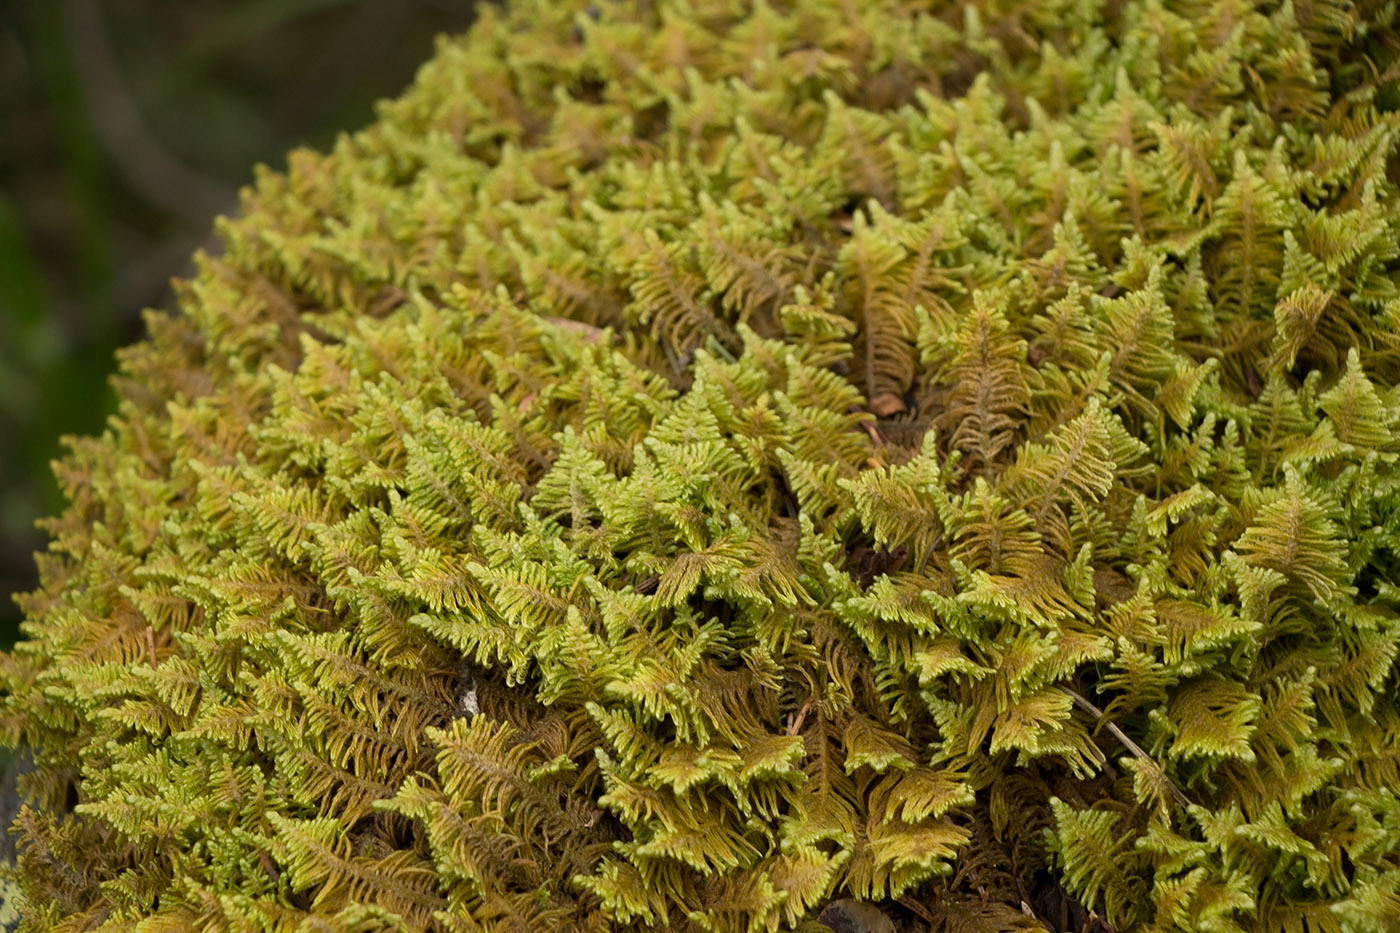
(794, 725)
(923, 561)
(1129, 744)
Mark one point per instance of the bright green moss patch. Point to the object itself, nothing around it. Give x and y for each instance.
(837, 451)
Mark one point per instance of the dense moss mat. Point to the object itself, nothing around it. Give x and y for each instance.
(691, 461)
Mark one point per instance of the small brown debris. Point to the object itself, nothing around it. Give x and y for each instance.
(852, 916)
(1251, 378)
(586, 331)
(887, 404)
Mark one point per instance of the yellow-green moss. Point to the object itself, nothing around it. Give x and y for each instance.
(846, 449)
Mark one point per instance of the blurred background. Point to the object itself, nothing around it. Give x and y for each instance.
(125, 127)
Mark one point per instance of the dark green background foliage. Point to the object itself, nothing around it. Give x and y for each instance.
(125, 126)
(687, 462)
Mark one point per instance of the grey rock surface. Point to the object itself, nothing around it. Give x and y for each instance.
(852, 916)
(9, 808)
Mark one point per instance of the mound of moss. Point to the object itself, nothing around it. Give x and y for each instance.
(691, 461)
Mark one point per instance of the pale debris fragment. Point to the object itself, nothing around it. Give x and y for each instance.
(466, 693)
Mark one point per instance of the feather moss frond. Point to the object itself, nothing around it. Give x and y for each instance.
(686, 464)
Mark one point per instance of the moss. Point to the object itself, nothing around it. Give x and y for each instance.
(685, 464)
